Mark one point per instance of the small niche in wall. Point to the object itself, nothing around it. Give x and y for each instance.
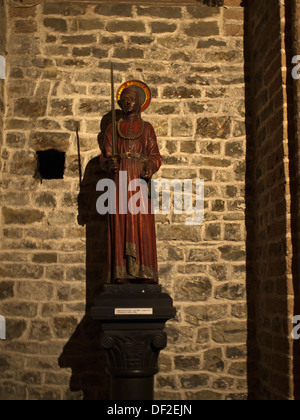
(51, 164)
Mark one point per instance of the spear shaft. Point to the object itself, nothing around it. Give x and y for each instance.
(113, 113)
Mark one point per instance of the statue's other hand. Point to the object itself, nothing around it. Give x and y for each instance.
(146, 173)
(113, 164)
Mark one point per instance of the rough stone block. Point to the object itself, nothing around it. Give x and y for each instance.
(181, 92)
(187, 363)
(48, 258)
(37, 290)
(179, 233)
(188, 147)
(210, 147)
(197, 314)
(6, 289)
(223, 383)
(65, 9)
(59, 25)
(218, 205)
(200, 11)
(56, 50)
(202, 255)
(19, 271)
(120, 10)
(230, 291)
(232, 253)
(61, 107)
(193, 289)
(182, 127)
(15, 328)
(30, 107)
(160, 12)
(212, 232)
(100, 52)
(22, 217)
(227, 56)
(23, 163)
(163, 27)
(128, 53)
(234, 149)
(81, 52)
(194, 381)
(23, 45)
(92, 106)
(238, 368)
(40, 331)
(90, 24)
(64, 326)
(214, 127)
(125, 26)
(213, 360)
(79, 39)
(49, 140)
(229, 332)
(60, 218)
(21, 309)
(15, 140)
(46, 199)
(212, 42)
(233, 232)
(141, 40)
(25, 26)
(202, 29)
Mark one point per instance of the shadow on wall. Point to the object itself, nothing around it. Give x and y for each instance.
(83, 353)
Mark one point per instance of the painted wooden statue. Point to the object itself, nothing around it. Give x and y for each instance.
(131, 152)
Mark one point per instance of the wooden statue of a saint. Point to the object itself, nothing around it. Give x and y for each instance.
(135, 156)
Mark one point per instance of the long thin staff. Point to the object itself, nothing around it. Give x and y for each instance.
(79, 158)
(113, 113)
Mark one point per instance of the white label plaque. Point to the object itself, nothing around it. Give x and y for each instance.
(133, 311)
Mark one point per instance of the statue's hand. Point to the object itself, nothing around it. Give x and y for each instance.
(146, 172)
(113, 164)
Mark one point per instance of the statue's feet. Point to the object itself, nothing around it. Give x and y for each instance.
(135, 281)
(122, 281)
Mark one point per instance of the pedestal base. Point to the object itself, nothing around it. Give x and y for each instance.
(141, 389)
(133, 319)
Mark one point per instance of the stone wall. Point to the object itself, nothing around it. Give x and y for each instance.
(271, 291)
(59, 79)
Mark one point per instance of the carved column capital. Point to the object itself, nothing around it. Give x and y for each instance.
(133, 354)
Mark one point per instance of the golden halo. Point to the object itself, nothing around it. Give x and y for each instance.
(142, 88)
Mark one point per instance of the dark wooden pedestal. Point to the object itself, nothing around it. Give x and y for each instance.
(133, 319)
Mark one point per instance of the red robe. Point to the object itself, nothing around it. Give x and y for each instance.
(132, 239)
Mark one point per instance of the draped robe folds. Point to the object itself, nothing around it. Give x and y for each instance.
(132, 240)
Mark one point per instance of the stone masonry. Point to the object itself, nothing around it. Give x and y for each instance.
(58, 55)
(272, 199)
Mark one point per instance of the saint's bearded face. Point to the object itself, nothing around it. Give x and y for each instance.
(129, 104)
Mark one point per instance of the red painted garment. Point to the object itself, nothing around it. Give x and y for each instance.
(132, 238)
